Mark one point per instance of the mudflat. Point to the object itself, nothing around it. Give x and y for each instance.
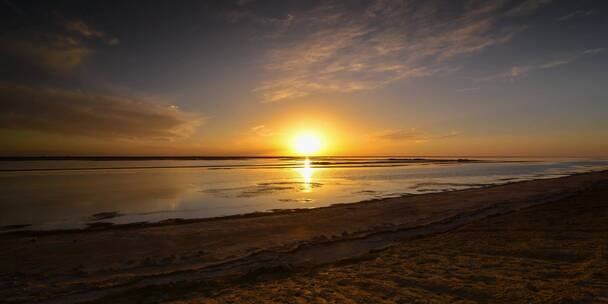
(550, 253)
(467, 245)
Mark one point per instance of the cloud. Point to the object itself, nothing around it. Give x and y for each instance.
(74, 113)
(62, 46)
(346, 47)
(471, 89)
(527, 7)
(576, 14)
(82, 29)
(593, 51)
(411, 135)
(519, 71)
(263, 131)
(523, 70)
(63, 55)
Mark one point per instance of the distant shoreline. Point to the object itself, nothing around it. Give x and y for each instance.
(93, 158)
(316, 163)
(285, 157)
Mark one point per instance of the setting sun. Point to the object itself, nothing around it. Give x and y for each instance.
(307, 144)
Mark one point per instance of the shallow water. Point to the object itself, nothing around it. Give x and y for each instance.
(53, 194)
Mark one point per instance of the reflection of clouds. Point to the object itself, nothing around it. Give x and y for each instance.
(295, 200)
(78, 195)
(306, 185)
(440, 184)
(427, 187)
(261, 189)
(370, 192)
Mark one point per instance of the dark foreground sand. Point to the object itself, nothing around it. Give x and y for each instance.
(466, 246)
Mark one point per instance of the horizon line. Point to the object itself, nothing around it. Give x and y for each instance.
(193, 157)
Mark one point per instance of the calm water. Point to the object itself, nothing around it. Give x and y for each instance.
(66, 194)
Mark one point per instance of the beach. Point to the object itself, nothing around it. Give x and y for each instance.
(551, 253)
(303, 152)
(330, 246)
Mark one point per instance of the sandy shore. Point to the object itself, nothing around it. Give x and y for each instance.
(88, 265)
(550, 253)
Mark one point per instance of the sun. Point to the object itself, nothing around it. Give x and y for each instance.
(307, 144)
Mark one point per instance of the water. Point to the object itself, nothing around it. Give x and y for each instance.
(58, 194)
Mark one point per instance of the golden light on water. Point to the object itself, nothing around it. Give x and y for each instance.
(306, 173)
(306, 144)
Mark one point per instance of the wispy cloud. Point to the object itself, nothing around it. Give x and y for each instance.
(593, 51)
(82, 29)
(62, 55)
(263, 131)
(73, 113)
(471, 89)
(347, 47)
(411, 135)
(523, 70)
(527, 7)
(64, 45)
(576, 14)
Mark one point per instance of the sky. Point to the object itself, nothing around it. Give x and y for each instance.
(406, 78)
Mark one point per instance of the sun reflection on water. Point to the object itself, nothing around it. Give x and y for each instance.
(306, 173)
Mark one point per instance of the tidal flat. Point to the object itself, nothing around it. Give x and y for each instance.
(501, 225)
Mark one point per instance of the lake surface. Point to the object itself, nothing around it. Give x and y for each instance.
(58, 194)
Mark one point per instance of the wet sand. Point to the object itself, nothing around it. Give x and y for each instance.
(212, 257)
(550, 253)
